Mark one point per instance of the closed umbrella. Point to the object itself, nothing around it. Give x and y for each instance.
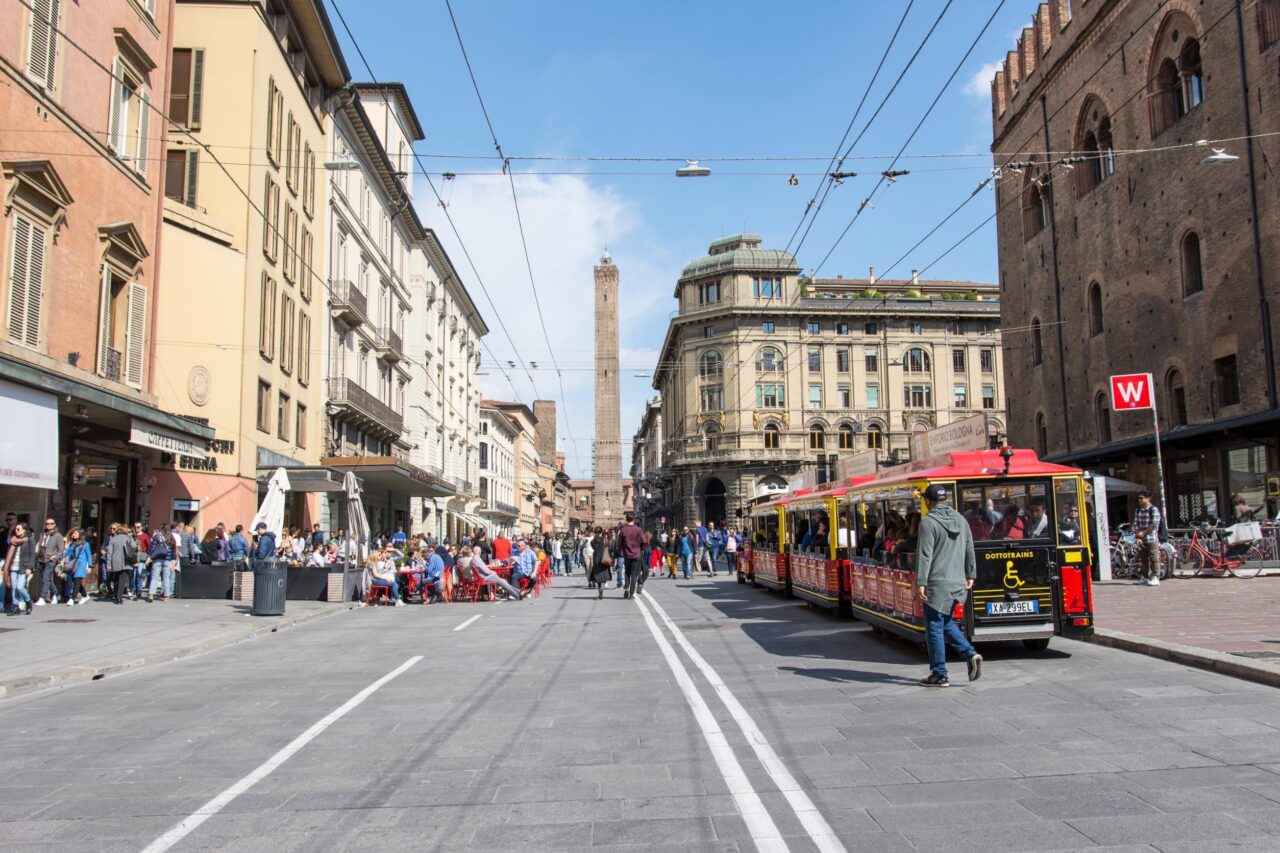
(359, 522)
(272, 510)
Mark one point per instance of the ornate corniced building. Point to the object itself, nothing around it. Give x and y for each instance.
(763, 374)
(1152, 262)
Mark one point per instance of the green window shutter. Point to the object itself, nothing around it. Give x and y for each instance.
(197, 89)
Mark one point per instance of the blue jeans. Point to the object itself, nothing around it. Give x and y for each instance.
(939, 630)
(618, 566)
(161, 570)
(138, 572)
(686, 565)
(394, 586)
(18, 582)
(715, 557)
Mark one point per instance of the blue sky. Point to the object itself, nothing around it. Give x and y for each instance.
(692, 80)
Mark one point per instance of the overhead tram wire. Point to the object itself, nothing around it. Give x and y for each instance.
(941, 91)
(324, 284)
(515, 201)
(1019, 156)
(835, 155)
(448, 218)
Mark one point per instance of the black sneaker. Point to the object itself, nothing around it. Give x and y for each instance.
(975, 667)
(935, 680)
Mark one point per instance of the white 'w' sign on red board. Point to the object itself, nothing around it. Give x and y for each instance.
(1131, 391)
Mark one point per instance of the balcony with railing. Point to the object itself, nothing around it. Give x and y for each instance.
(347, 397)
(388, 345)
(347, 303)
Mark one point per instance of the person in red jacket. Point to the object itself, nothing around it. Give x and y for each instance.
(501, 548)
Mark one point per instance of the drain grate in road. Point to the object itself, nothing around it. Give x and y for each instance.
(1264, 655)
(71, 621)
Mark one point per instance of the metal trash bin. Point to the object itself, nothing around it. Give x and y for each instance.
(270, 578)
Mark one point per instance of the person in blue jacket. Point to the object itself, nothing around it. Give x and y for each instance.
(266, 549)
(75, 566)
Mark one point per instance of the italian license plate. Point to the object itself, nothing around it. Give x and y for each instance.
(1013, 608)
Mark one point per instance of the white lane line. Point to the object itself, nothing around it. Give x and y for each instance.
(761, 826)
(812, 820)
(263, 770)
(468, 622)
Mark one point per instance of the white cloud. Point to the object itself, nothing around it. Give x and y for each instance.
(568, 221)
(979, 85)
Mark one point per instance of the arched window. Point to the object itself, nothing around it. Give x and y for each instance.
(1095, 309)
(1102, 412)
(1042, 435)
(817, 437)
(711, 435)
(846, 437)
(1037, 346)
(711, 365)
(771, 436)
(875, 437)
(1176, 86)
(1192, 267)
(916, 360)
(1176, 394)
(769, 360)
(1094, 142)
(1035, 205)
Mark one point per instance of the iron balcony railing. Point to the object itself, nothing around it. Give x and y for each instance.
(346, 394)
(347, 303)
(388, 344)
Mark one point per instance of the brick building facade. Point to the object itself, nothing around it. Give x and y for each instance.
(1115, 258)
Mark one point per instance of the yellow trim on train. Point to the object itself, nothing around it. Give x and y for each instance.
(919, 628)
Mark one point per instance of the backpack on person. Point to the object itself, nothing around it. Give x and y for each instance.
(131, 550)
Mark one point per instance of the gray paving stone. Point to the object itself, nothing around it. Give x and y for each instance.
(547, 836)
(1200, 777)
(950, 814)
(682, 830)
(1045, 835)
(1153, 829)
(1100, 804)
(953, 792)
(962, 772)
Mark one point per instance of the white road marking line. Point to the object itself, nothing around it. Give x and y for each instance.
(468, 622)
(263, 770)
(812, 820)
(764, 832)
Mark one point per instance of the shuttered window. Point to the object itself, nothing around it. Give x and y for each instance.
(135, 342)
(186, 92)
(308, 180)
(291, 155)
(26, 281)
(267, 318)
(273, 122)
(290, 235)
(129, 118)
(271, 220)
(306, 248)
(180, 171)
(304, 348)
(42, 42)
(286, 333)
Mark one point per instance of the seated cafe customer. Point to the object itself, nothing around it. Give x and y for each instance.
(526, 570)
(382, 572)
(478, 568)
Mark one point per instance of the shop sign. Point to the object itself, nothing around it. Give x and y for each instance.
(1131, 391)
(151, 435)
(180, 505)
(861, 464)
(29, 440)
(965, 434)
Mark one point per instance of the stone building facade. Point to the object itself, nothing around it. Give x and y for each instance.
(763, 375)
(1153, 262)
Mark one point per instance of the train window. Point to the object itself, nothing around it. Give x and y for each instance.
(1066, 497)
(811, 531)
(766, 530)
(1008, 511)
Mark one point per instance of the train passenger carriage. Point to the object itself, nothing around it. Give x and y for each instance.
(766, 563)
(1033, 553)
(814, 556)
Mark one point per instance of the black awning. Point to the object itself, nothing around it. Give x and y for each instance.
(1173, 437)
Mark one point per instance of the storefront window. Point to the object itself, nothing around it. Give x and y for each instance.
(1245, 469)
(103, 475)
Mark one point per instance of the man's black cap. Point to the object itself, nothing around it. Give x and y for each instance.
(936, 493)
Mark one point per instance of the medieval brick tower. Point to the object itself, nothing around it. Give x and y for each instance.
(607, 497)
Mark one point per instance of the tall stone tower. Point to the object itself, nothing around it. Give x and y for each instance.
(607, 489)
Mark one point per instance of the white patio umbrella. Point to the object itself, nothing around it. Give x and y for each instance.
(358, 521)
(272, 510)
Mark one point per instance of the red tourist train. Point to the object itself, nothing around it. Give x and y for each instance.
(851, 548)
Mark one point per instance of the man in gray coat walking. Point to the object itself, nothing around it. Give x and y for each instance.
(945, 571)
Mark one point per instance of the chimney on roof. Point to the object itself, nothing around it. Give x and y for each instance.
(915, 277)
(872, 275)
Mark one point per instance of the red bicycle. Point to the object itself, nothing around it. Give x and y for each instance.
(1208, 552)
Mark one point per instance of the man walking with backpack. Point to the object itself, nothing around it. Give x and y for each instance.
(945, 570)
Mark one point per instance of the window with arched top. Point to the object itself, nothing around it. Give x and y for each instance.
(771, 436)
(1035, 204)
(1042, 435)
(1102, 414)
(817, 437)
(711, 436)
(1095, 146)
(846, 437)
(1176, 83)
(875, 437)
(1192, 266)
(769, 360)
(1095, 309)
(1176, 394)
(1037, 345)
(916, 360)
(711, 364)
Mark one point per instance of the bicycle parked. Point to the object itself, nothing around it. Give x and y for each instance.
(1211, 551)
(1125, 562)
